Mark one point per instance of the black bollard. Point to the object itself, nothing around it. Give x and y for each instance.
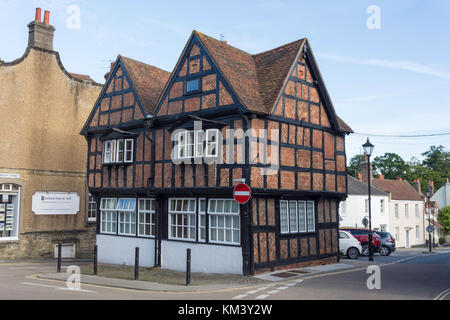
(188, 267)
(58, 267)
(136, 264)
(95, 259)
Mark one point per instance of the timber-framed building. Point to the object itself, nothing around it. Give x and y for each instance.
(145, 118)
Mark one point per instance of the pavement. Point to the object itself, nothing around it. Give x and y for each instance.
(405, 274)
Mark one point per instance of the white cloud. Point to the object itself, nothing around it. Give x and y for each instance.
(403, 65)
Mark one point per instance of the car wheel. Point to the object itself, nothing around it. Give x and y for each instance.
(385, 251)
(352, 253)
(365, 249)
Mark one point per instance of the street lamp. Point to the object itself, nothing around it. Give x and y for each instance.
(368, 149)
(429, 217)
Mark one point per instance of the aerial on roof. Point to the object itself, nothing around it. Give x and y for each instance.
(256, 79)
(356, 187)
(399, 189)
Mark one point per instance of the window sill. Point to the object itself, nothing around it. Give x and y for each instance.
(10, 239)
(117, 164)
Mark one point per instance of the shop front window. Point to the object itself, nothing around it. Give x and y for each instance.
(9, 211)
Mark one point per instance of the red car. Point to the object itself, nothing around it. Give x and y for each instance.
(363, 237)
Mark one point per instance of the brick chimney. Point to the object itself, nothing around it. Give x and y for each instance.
(417, 185)
(431, 185)
(364, 172)
(381, 177)
(360, 176)
(40, 33)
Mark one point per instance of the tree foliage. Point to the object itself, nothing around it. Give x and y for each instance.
(444, 218)
(435, 167)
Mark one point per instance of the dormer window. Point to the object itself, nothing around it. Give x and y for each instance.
(118, 151)
(193, 86)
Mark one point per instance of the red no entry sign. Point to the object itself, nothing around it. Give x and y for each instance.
(242, 193)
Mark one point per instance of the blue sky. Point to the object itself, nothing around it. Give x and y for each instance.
(392, 80)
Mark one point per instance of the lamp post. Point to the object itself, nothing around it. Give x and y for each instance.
(429, 218)
(368, 149)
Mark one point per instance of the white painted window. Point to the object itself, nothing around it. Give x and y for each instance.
(92, 209)
(417, 210)
(212, 142)
(185, 144)
(417, 233)
(182, 218)
(224, 221)
(129, 150)
(382, 206)
(146, 218)
(366, 205)
(118, 151)
(397, 234)
(202, 222)
(126, 208)
(199, 143)
(297, 216)
(302, 216)
(109, 151)
(284, 225)
(406, 210)
(310, 215)
(108, 220)
(396, 210)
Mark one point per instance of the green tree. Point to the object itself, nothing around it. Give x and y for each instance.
(444, 218)
(355, 165)
(418, 170)
(437, 159)
(391, 165)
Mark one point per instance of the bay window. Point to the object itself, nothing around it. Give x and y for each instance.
(118, 151)
(195, 144)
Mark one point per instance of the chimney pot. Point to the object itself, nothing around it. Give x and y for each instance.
(360, 176)
(38, 14)
(47, 17)
(381, 176)
(40, 35)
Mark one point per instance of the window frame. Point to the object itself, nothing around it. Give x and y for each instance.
(91, 201)
(302, 213)
(213, 133)
(114, 153)
(223, 215)
(189, 92)
(189, 225)
(108, 211)
(126, 211)
(152, 215)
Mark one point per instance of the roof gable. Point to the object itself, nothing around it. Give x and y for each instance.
(196, 62)
(147, 80)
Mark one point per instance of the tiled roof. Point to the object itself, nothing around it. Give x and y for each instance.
(238, 67)
(272, 68)
(82, 77)
(399, 189)
(356, 187)
(256, 79)
(147, 80)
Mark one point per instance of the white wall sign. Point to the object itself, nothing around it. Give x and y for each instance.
(55, 203)
(9, 175)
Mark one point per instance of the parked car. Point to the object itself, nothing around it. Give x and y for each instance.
(363, 237)
(349, 245)
(387, 243)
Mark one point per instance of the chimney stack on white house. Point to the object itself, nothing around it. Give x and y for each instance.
(40, 33)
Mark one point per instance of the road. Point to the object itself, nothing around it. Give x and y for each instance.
(404, 275)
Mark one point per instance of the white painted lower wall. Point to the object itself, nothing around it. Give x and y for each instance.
(205, 258)
(120, 250)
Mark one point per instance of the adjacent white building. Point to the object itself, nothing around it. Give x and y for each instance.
(442, 196)
(406, 207)
(355, 208)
